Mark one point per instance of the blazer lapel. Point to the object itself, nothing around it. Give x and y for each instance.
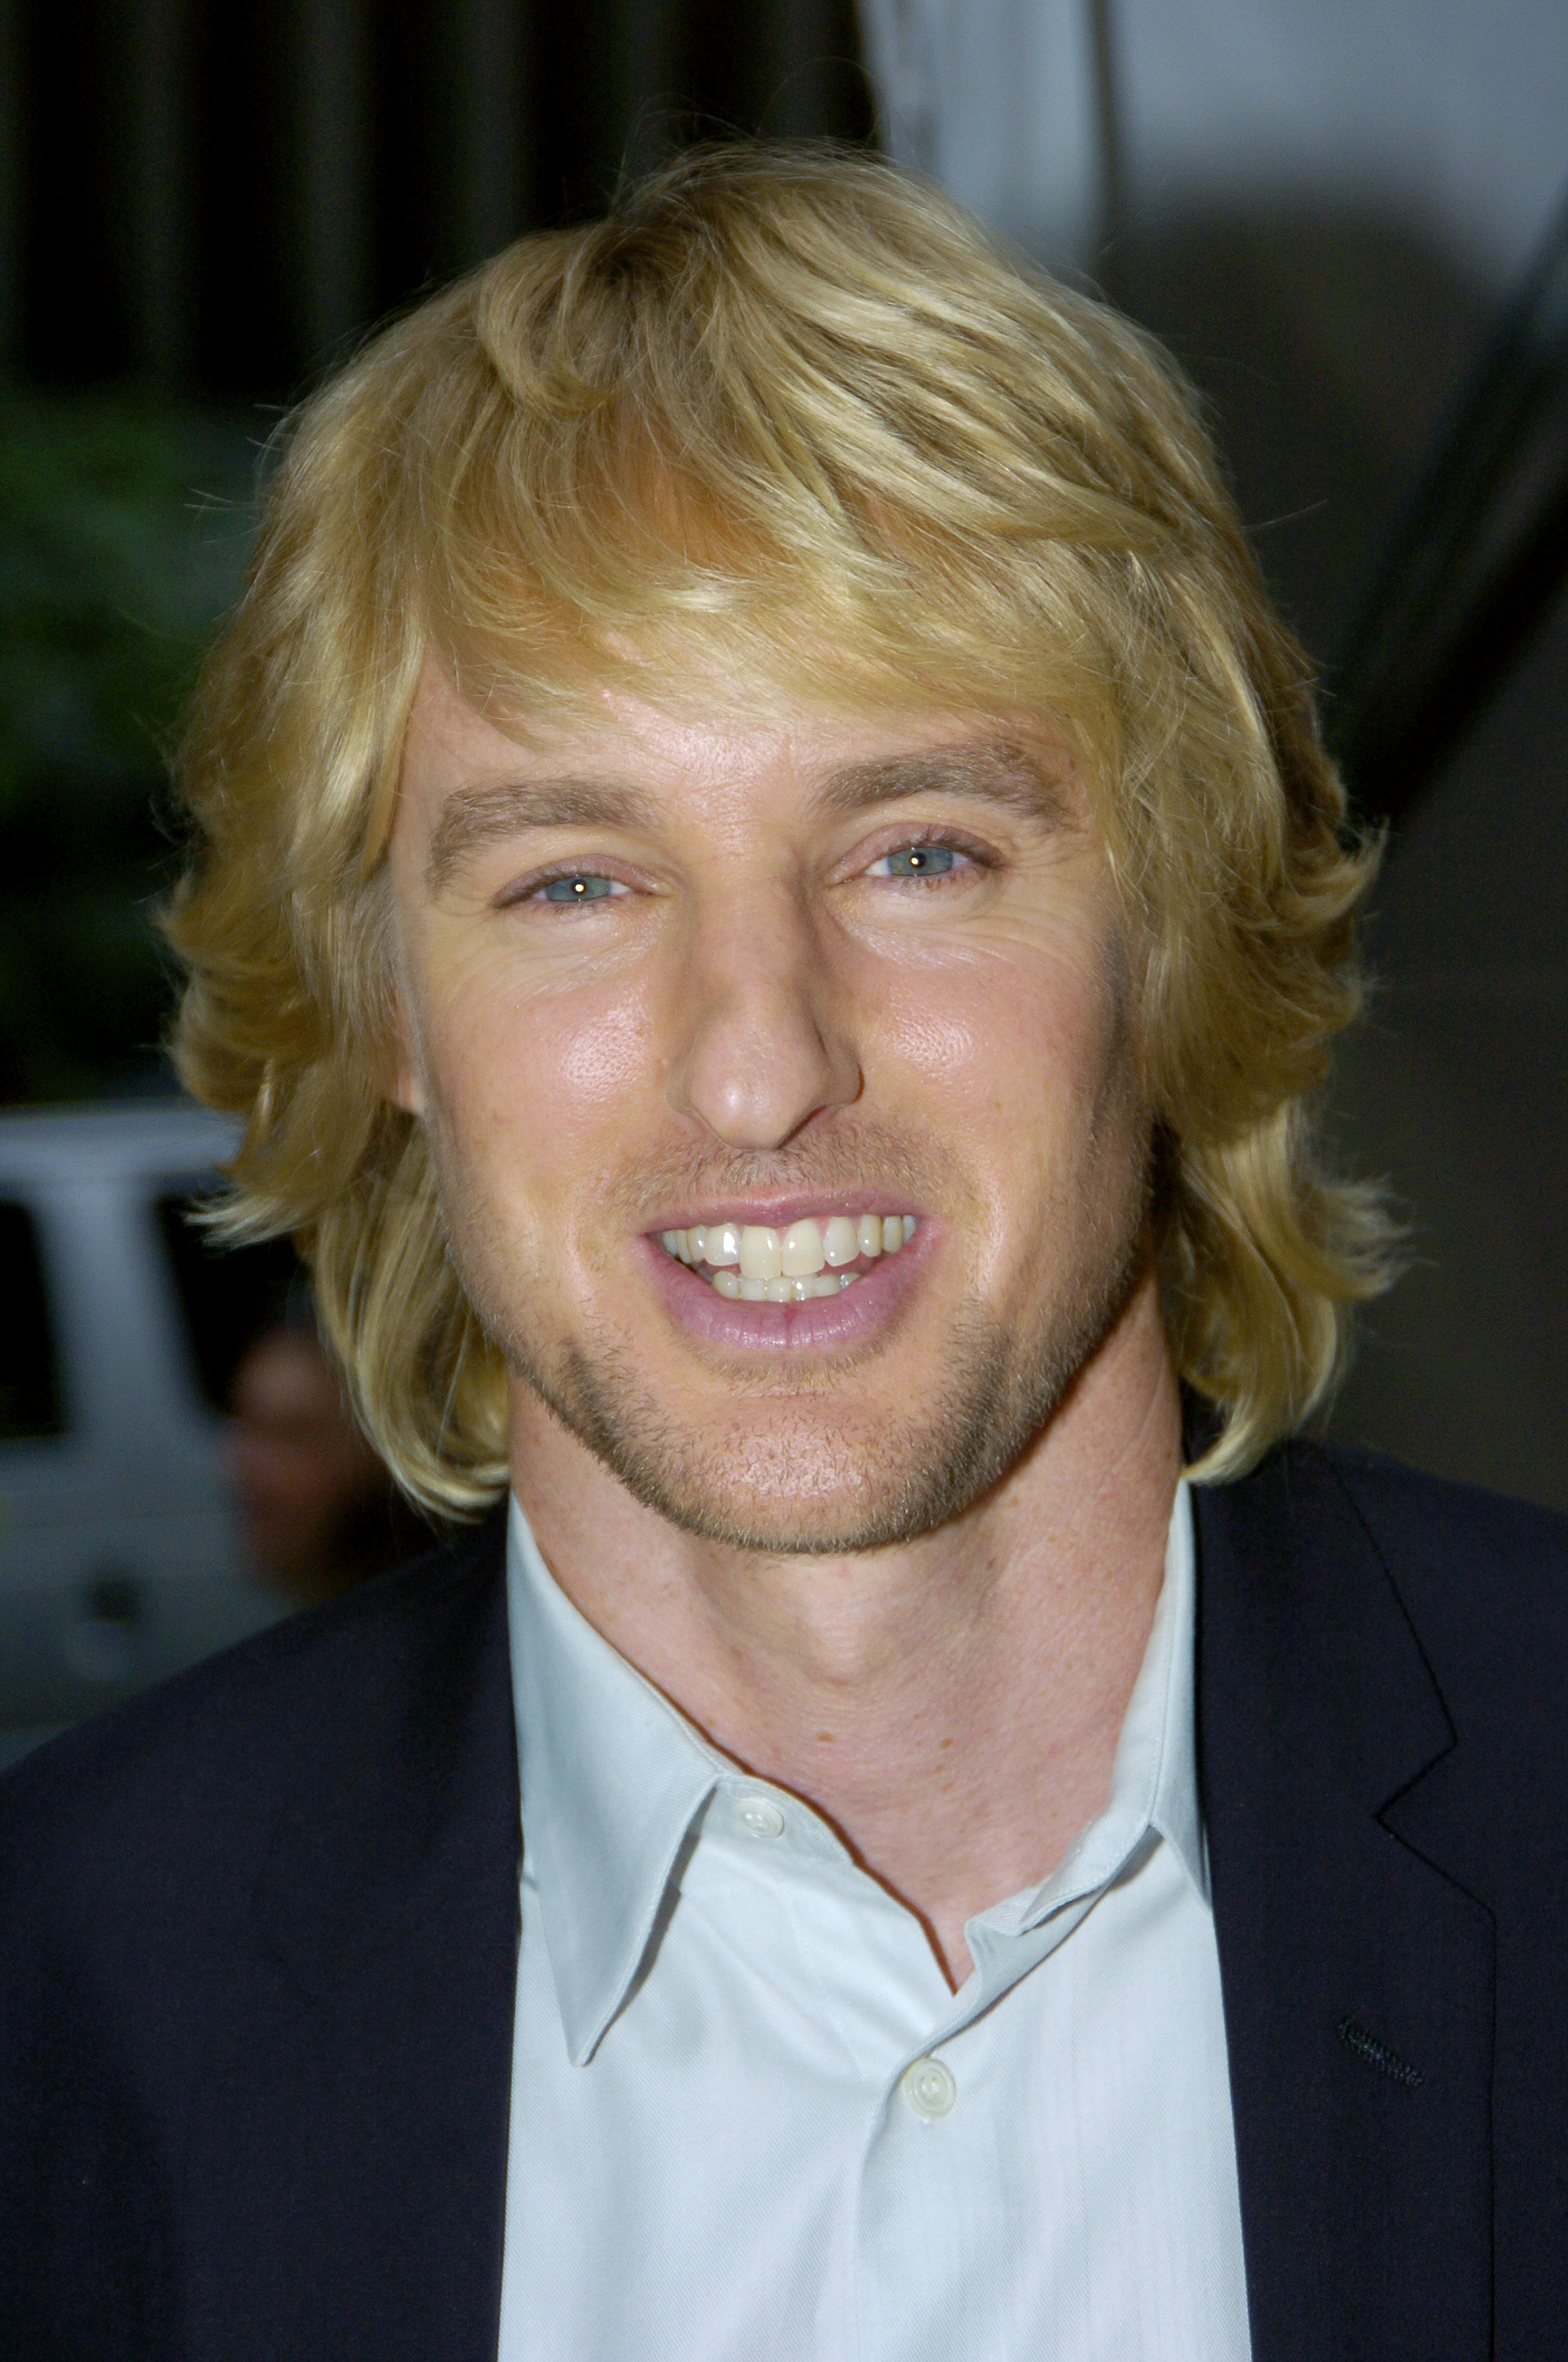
(1357, 1975)
(347, 2164)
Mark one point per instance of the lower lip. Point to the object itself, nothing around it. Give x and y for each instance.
(851, 1317)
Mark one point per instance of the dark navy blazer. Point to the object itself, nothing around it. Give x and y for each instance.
(259, 1928)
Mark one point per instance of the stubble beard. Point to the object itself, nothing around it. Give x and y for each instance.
(802, 1486)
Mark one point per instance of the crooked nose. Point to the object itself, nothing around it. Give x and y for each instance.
(764, 1051)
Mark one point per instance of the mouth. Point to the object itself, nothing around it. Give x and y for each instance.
(820, 1256)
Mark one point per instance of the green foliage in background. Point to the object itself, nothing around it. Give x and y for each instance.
(123, 529)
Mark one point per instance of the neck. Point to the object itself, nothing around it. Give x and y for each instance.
(952, 1705)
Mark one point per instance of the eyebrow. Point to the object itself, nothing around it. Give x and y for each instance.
(477, 816)
(991, 770)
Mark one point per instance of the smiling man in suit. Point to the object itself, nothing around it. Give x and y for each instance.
(767, 888)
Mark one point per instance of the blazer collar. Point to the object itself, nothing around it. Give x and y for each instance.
(1357, 1974)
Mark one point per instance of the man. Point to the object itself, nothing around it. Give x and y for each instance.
(767, 888)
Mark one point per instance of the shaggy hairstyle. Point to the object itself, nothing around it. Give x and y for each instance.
(790, 411)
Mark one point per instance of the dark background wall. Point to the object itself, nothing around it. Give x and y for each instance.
(216, 193)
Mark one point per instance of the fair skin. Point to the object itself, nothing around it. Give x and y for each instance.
(896, 1548)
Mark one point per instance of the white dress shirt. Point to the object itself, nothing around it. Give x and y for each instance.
(751, 2123)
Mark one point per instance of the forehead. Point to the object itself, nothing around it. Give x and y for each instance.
(625, 760)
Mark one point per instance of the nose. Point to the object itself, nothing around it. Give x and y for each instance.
(763, 1051)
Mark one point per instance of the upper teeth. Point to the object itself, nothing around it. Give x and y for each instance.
(769, 1261)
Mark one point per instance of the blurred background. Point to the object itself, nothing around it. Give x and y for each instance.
(1347, 222)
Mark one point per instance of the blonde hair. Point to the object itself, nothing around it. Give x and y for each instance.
(793, 409)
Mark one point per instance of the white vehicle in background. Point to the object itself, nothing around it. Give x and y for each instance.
(120, 1328)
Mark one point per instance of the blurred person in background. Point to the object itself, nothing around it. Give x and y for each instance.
(318, 1508)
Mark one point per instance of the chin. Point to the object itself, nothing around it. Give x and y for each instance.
(801, 1477)
(835, 1522)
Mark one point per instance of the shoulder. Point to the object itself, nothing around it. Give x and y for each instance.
(1481, 1578)
(1457, 1548)
(1435, 1513)
(182, 1788)
(260, 1847)
(1484, 1580)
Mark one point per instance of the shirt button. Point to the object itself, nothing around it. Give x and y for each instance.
(759, 1817)
(929, 2088)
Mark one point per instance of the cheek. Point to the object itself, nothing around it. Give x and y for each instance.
(602, 1053)
(1031, 1046)
(542, 1076)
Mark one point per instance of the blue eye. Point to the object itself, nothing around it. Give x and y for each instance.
(917, 861)
(580, 887)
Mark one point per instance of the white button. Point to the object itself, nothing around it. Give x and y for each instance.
(929, 2088)
(759, 1817)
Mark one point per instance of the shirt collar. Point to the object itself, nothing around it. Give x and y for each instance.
(614, 1782)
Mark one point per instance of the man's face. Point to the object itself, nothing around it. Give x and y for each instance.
(775, 979)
